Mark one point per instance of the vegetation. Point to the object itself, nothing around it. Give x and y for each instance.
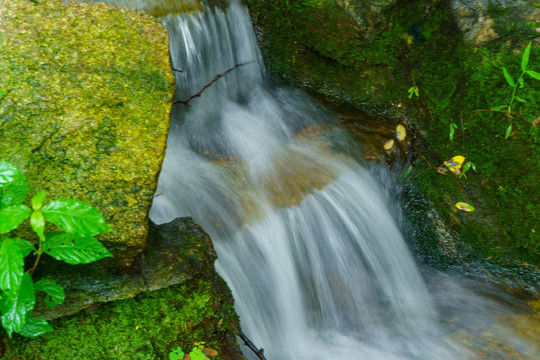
(423, 46)
(147, 327)
(75, 244)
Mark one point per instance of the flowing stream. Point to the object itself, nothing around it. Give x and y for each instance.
(304, 233)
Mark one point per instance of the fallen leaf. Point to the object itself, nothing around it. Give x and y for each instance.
(464, 206)
(210, 352)
(389, 144)
(401, 133)
(454, 165)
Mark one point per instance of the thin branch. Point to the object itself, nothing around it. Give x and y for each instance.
(173, 69)
(504, 112)
(216, 78)
(249, 344)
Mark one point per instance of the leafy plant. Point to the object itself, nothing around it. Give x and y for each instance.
(195, 354)
(520, 82)
(75, 244)
(413, 90)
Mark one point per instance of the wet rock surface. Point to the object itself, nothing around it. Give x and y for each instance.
(85, 112)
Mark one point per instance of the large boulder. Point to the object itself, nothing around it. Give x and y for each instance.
(85, 113)
(482, 21)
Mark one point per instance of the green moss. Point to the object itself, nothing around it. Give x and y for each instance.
(88, 94)
(148, 326)
(423, 45)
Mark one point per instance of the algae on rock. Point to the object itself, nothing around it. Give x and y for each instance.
(85, 114)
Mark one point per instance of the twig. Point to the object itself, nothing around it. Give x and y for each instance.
(216, 78)
(173, 69)
(504, 112)
(249, 344)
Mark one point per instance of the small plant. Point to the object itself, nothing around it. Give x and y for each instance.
(520, 82)
(195, 354)
(75, 244)
(413, 90)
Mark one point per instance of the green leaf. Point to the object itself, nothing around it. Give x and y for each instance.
(520, 99)
(176, 354)
(465, 207)
(508, 77)
(35, 327)
(197, 354)
(25, 246)
(525, 57)
(468, 165)
(11, 265)
(75, 217)
(12, 216)
(37, 200)
(75, 249)
(55, 293)
(14, 193)
(521, 82)
(16, 305)
(533, 74)
(499, 108)
(453, 128)
(9, 173)
(508, 132)
(38, 224)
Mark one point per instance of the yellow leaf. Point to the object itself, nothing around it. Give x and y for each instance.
(401, 132)
(464, 206)
(389, 144)
(454, 165)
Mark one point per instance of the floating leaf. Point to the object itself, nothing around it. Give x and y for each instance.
(454, 165)
(389, 144)
(508, 77)
(464, 206)
(533, 74)
(16, 305)
(75, 249)
(75, 217)
(55, 293)
(525, 57)
(401, 133)
(508, 131)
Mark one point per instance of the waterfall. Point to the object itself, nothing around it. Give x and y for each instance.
(304, 233)
(315, 261)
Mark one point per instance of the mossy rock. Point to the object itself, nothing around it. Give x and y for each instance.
(422, 44)
(85, 114)
(172, 297)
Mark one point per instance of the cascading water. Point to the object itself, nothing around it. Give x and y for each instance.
(316, 262)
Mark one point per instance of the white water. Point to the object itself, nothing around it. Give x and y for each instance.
(315, 259)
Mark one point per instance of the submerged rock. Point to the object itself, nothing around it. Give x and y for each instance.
(85, 113)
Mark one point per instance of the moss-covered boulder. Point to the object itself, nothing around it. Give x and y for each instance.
(423, 44)
(85, 112)
(172, 297)
(484, 21)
